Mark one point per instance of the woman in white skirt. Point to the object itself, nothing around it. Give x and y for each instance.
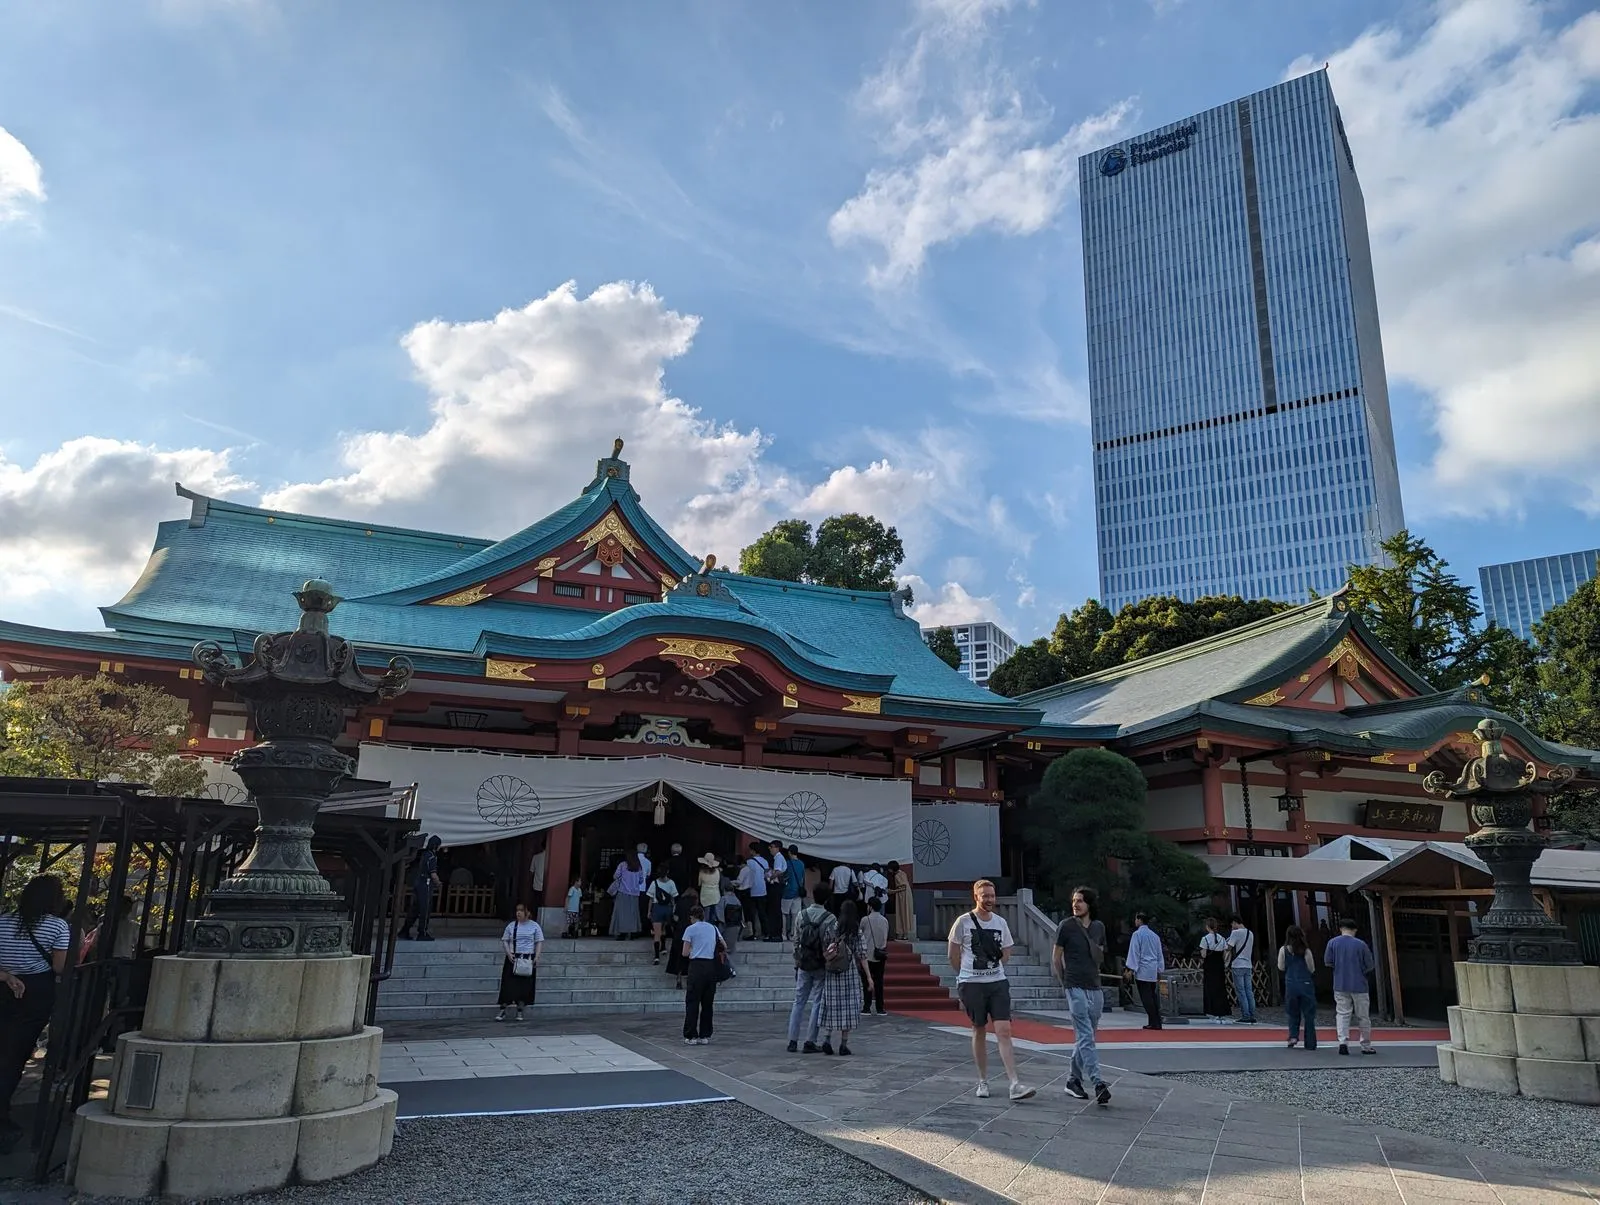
(841, 989)
(523, 941)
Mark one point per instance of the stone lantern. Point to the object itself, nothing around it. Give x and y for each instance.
(1528, 1020)
(255, 1068)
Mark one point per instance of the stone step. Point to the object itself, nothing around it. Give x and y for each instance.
(551, 1010)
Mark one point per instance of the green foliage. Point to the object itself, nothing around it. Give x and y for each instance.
(852, 552)
(1086, 824)
(97, 728)
(1564, 694)
(1421, 613)
(942, 641)
(1031, 667)
(1091, 638)
(780, 553)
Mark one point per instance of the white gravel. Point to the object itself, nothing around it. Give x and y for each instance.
(1416, 1099)
(718, 1154)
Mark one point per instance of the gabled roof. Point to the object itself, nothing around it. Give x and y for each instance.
(227, 572)
(1231, 666)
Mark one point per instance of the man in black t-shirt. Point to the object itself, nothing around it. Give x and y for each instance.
(1080, 948)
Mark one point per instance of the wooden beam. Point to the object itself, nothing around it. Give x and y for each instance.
(1393, 959)
(1454, 930)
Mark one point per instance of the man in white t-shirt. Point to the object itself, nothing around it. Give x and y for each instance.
(1241, 967)
(980, 944)
(841, 878)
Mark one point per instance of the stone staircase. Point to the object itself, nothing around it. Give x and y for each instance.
(458, 978)
(1032, 984)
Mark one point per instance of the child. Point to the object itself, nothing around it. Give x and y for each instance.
(574, 907)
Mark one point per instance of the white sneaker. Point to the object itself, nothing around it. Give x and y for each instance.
(702, 1041)
(983, 1090)
(1020, 1091)
(501, 1015)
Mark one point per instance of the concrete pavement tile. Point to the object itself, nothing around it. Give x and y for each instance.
(1428, 1156)
(1444, 1188)
(1349, 1181)
(1379, 1193)
(1531, 1193)
(1225, 1172)
(1150, 1141)
(1213, 1197)
(1260, 1154)
(1121, 1194)
(1046, 1186)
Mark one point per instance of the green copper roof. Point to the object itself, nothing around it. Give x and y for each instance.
(228, 572)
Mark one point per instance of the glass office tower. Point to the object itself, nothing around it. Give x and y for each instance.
(1517, 594)
(1239, 410)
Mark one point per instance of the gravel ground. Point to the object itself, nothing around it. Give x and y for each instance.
(726, 1154)
(1416, 1099)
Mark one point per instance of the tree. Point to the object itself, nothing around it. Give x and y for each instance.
(855, 552)
(1564, 696)
(1421, 613)
(782, 553)
(852, 552)
(1076, 637)
(943, 643)
(1086, 824)
(100, 729)
(1163, 622)
(1031, 667)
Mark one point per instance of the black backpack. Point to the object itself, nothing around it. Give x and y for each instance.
(732, 911)
(809, 953)
(987, 952)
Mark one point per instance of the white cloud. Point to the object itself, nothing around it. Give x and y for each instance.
(968, 149)
(76, 527)
(1476, 139)
(520, 406)
(21, 178)
(950, 604)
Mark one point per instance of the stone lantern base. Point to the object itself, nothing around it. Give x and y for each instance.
(1528, 1030)
(249, 1075)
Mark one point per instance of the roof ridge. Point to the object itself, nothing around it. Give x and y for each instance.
(1317, 608)
(812, 587)
(204, 506)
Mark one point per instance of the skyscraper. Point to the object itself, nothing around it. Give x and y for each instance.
(1239, 409)
(984, 646)
(1517, 594)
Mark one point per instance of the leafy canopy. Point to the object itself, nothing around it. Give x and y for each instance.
(942, 642)
(1091, 638)
(850, 551)
(1086, 824)
(1562, 694)
(97, 728)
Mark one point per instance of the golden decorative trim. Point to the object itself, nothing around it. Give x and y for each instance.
(1305, 678)
(597, 683)
(575, 712)
(864, 704)
(1383, 759)
(462, 598)
(513, 670)
(375, 726)
(788, 702)
(547, 566)
(612, 526)
(1268, 699)
(668, 582)
(1347, 648)
(700, 650)
(597, 669)
(792, 689)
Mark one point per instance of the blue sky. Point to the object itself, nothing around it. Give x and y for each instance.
(823, 256)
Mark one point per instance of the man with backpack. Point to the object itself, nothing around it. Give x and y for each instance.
(815, 930)
(980, 943)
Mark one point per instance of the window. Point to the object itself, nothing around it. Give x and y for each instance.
(227, 722)
(930, 774)
(969, 773)
(630, 598)
(564, 590)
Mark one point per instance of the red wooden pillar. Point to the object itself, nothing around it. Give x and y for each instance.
(1215, 815)
(558, 865)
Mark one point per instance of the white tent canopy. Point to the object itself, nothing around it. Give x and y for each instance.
(466, 796)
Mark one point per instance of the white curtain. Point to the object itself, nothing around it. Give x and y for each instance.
(466, 796)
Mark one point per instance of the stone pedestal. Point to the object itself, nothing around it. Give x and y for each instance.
(1528, 1030)
(249, 1075)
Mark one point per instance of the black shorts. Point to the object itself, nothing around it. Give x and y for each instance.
(986, 1001)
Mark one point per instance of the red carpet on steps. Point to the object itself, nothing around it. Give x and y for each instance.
(910, 986)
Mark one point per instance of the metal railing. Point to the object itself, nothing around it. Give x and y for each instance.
(1031, 928)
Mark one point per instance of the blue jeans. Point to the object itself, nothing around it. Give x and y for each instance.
(1085, 1006)
(1300, 1002)
(1245, 989)
(807, 1003)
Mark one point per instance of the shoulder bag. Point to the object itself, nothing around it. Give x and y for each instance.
(521, 964)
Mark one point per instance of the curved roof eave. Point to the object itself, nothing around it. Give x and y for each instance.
(913, 707)
(660, 623)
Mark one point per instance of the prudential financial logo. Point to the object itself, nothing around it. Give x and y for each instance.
(1113, 162)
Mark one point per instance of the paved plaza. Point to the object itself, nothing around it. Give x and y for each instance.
(904, 1104)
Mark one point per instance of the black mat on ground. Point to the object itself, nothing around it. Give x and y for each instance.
(1325, 1057)
(501, 1094)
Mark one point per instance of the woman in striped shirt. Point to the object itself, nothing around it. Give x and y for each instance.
(33, 951)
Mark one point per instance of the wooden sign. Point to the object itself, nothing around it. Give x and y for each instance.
(1404, 817)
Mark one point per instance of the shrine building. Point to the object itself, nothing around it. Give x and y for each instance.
(586, 684)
